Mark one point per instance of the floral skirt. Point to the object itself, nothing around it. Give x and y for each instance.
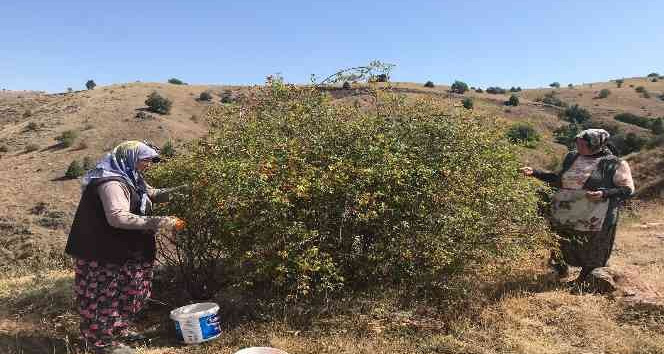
(108, 296)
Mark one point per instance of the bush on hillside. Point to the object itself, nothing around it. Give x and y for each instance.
(576, 115)
(513, 101)
(205, 96)
(468, 103)
(90, 85)
(175, 81)
(346, 85)
(640, 89)
(555, 84)
(459, 87)
(67, 138)
(496, 90)
(552, 99)
(523, 134)
(653, 75)
(168, 150)
(604, 93)
(227, 96)
(657, 126)
(628, 143)
(158, 104)
(74, 170)
(566, 134)
(570, 86)
(654, 79)
(296, 198)
(88, 163)
(643, 122)
(429, 84)
(479, 90)
(620, 82)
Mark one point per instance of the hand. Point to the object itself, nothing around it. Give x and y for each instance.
(527, 171)
(180, 224)
(173, 224)
(595, 195)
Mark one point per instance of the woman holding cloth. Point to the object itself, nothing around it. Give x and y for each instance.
(584, 209)
(112, 241)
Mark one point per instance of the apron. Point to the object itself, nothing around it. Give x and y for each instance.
(570, 208)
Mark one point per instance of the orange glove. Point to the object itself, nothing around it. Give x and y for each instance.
(180, 224)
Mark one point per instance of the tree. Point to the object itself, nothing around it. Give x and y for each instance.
(513, 101)
(620, 82)
(205, 96)
(555, 84)
(346, 85)
(90, 85)
(576, 115)
(653, 75)
(158, 104)
(74, 170)
(429, 84)
(459, 87)
(570, 86)
(175, 81)
(657, 126)
(523, 134)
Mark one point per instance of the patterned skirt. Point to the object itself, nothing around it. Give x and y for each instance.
(108, 296)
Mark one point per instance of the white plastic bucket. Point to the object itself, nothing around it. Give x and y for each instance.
(260, 350)
(196, 323)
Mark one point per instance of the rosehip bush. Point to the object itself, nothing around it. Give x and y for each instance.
(297, 198)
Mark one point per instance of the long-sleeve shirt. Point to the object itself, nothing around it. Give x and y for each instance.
(115, 196)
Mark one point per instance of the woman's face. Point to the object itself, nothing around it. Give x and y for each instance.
(583, 147)
(143, 165)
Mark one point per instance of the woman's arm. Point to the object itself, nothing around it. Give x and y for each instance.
(162, 195)
(115, 199)
(623, 182)
(548, 177)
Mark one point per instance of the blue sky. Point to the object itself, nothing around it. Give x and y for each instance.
(52, 45)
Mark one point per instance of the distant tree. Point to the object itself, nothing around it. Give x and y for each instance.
(657, 126)
(459, 87)
(74, 170)
(604, 93)
(576, 115)
(555, 84)
(513, 101)
(496, 90)
(90, 85)
(468, 103)
(175, 81)
(67, 138)
(479, 90)
(346, 85)
(158, 104)
(653, 75)
(620, 82)
(429, 84)
(566, 134)
(70, 90)
(513, 89)
(205, 96)
(654, 79)
(518, 89)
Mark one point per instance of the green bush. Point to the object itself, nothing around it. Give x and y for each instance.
(67, 138)
(479, 90)
(513, 101)
(657, 126)
(468, 103)
(74, 170)
(90, 85)
(643, 122)
(227, 96)
(604, 93)
(88, 163)
(459, 87)
(555, 84)
(653, 75)
(523, 134)
(640, 89)
(620, 82)
(576, 115)
(552, 99)
(566, 134)
(496, 90)
(205, 96)
(429, 84)
(296, 198)
(175, 81)
(570, 86)
(158, 104)
(168, 149)
(628, 143)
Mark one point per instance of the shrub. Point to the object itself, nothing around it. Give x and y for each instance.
(604, 93)
(555, 84)
(654, 79)
(32, 126)
(653, 75)
(523, 134)
(67, 138)
(630, 118)
(88, 163)
(175, 81)
(227, 97)
(346, 85)
(168, 149)
(459, 87)
(496, 90)
(479, 90)
(468, 103)
(640, 89)
(552, 99)
(628, 143)
(576, 115)
(513, 89)
(74, 170)
(657, 126)
(31, 147)
(303, 198)
(566, 134)
(158, 104)
(570, 86)
(90, 85)
(82, 145)
(429, 84)
(205, 96)
(620, 82)
(513, 101)
(70, 90)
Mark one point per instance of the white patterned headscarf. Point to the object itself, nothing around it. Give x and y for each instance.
(596, 138)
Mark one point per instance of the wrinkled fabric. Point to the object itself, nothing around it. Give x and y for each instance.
(596, 138)
(108, 296)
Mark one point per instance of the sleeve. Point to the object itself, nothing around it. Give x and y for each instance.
(115, 199)
(623, 182)
(548, 177)
(162, 195)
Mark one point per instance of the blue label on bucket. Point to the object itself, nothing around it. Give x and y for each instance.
(209, 326)
(178, 332)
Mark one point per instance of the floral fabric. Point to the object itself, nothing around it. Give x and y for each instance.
(108, 296)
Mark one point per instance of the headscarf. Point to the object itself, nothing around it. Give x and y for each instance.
(121, 162)
(597, 139)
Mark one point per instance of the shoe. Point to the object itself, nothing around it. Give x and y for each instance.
(133, 337)
(116, 349)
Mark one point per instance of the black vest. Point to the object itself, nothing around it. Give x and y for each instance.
(92, 238)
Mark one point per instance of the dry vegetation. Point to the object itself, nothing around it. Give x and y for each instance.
(526, 311)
